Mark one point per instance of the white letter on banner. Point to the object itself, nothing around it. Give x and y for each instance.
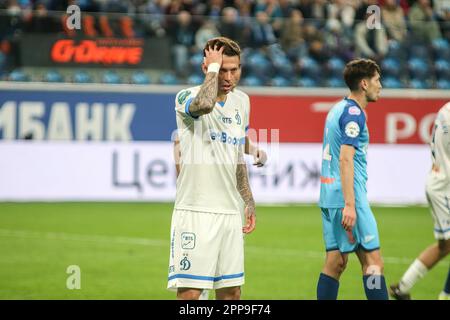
(89, 126)
(393, 133)
(28, 125)
(119, 121)
(8, 120)
(425, 126)
(59, 125)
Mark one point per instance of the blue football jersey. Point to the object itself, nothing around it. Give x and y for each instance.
(345, 124)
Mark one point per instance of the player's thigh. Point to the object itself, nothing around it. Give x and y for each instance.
(440, 211)
(327, 231)
(345, 240)
(230, 264)
(195, 247)
(366, 229)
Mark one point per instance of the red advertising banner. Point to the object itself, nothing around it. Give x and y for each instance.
(301, 118)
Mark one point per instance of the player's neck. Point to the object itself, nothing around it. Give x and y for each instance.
(359, 98)
(221, 98)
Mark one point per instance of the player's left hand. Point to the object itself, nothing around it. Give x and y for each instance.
(260, 158)
(250, 219)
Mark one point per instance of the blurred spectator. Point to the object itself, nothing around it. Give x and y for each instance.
(314, 12)
(230, 26)
(423, 22)
(214, 9)
(286, 7)
(207, 31)
(183, 39)
(273, 11)
(292, 39)
(318, 50)
(41, 21)
(370, 43)
(262, 33)
(442, 9)
(340, 17)
(394, 20)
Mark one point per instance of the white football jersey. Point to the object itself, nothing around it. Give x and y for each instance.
(439, 179)
(209, 148)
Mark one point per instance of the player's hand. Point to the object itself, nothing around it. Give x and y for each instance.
(348, 218)
(250, 219)
(213, 55)
(260, 158)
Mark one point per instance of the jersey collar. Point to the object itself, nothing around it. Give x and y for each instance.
(353, 102)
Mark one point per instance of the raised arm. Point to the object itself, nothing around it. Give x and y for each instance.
(205, 100)
(243, 187)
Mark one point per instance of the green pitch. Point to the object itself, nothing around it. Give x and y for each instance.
(122, 250)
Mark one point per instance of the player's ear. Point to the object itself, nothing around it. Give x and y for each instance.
(364, 84)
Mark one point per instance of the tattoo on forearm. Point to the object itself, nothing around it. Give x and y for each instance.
(243, 184)
(205, 100)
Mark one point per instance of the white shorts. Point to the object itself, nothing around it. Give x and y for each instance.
(440, 210)
(206, 250)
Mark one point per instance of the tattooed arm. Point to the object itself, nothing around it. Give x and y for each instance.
(205, 100)
(243, 187)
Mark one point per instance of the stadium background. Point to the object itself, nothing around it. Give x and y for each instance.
(86, 122)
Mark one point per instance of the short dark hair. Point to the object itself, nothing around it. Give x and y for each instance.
(231, 47)
(358, 69)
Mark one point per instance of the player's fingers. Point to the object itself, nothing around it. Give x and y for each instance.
(251, 224)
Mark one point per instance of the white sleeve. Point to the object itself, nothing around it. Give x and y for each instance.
(182, 101)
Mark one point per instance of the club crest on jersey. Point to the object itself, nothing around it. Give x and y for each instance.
(354, 111)
(183, 95)
(185, 264)
(352, 129)
(238, 117)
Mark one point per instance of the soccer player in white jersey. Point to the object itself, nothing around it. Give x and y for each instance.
(207, 249)
(259, 157)
(438, 196)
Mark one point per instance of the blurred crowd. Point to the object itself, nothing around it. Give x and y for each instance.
(301, 32)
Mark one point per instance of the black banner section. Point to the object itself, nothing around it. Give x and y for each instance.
(49, 50)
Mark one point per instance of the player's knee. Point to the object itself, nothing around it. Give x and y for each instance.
(444, 247)
(232, 293)
(188, 294)
(340, 265)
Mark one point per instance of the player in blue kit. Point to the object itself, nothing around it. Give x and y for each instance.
(348, 222)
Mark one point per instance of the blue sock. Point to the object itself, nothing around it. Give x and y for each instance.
(447, 283)
(375, 287)
(327, 288)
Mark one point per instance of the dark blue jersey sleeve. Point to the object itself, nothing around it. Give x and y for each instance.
(351, 123)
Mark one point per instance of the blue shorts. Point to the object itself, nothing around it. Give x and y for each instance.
(363, 236)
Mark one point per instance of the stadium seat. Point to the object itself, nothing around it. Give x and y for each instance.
(310, 68)
(335, 67)
(441, 48)
(259, 65)
(283, 66)
(82, 77)
(53, 76)
(419, 52)
(252, 81)
(140, 77)
(442, 68)
(307, 82)
(395, 50)
(443, 84)
(392, 83)
(335, 82)
(279, 81)
(18, 75)
(195, 62)
(419, 84)
(390, 67)
(111, 77)
(168, 79)
(195, 79)
(418, 68)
